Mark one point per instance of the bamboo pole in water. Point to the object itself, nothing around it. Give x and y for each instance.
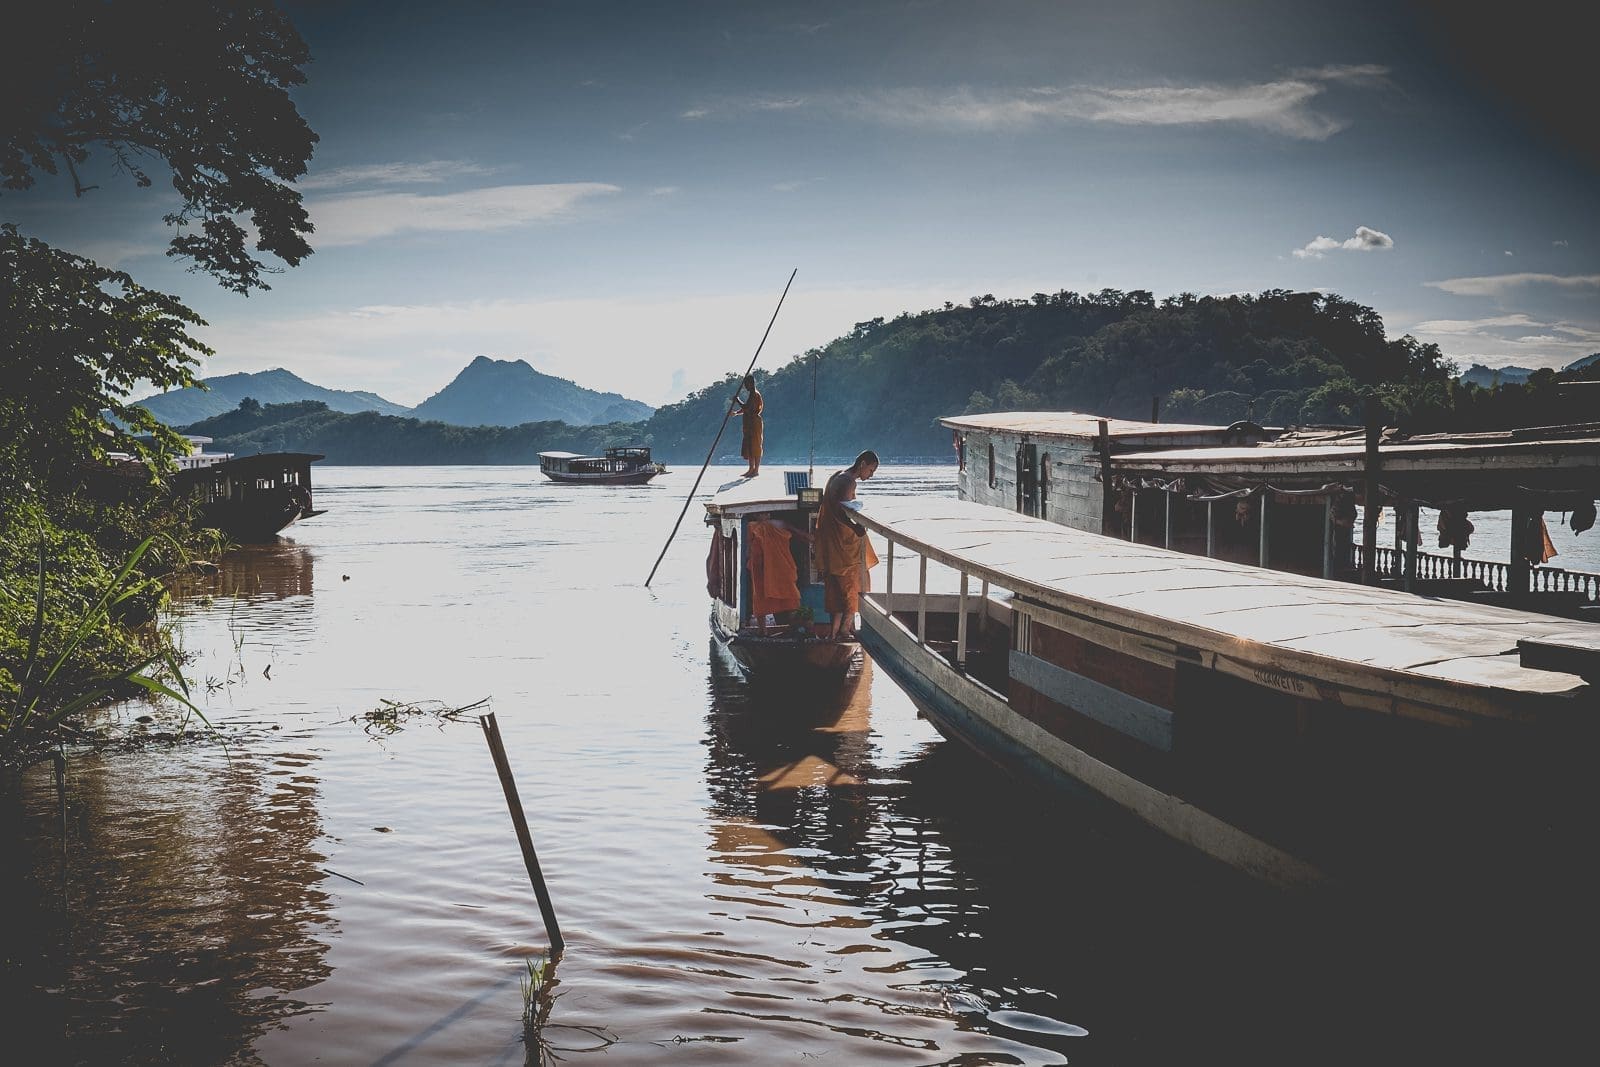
(712, 450)
(491, 732)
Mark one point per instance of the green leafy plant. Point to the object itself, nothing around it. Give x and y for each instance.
(46, 694)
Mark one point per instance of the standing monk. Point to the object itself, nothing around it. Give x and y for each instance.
(750, 410)
(842, 545)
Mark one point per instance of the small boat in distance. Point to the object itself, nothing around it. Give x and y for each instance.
(252, 498)
(774, 629)
(619, 466)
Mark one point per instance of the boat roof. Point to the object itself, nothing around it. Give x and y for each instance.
(1074, 424)
(564, 455)
(263, 461)
(767, 491)
(1481, 474)
(1458, 657)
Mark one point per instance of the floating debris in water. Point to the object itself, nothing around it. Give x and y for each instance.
(391, 716)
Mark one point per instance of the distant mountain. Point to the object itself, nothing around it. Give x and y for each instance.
(501, 392)
(277, 386)
(1488, 377)
(1586, 361)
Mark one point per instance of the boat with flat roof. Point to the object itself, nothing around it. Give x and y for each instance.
(631, 465)
(1292, 726)
(767, 605)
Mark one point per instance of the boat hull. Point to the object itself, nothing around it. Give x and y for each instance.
(628, 478)
(785, 662)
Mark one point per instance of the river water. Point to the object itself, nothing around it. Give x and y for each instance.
(742, 878)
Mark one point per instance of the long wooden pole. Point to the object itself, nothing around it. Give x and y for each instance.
(712, 450)
(491, 732)
(1369, 512)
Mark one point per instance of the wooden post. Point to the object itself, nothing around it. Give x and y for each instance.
(1519, 572)
(888, 580)
(1327, 536)
(491, 732)
(1455, 562)
(983, 612)
(922, 601)
(1369, 512)
(1155, 408)
(961, 625)
(1133, 515)
(1107, 498)
(1167, 543)
(1265, 494)
(1413, 520)
(1211, 529)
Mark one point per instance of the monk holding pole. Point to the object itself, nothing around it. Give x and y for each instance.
(748, 409)
(843, 551)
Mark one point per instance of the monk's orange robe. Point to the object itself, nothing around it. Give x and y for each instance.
(843, 557)
(774, 578)
(750, 446)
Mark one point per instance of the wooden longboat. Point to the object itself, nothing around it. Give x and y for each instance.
(1293, 727)
(790, 651)
(619, 466)
(253, 498)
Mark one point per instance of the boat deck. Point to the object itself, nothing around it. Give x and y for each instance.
(1447, 654)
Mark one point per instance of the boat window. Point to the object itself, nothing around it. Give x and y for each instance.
(991, 465)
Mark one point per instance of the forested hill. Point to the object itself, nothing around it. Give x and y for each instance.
(1280, 358)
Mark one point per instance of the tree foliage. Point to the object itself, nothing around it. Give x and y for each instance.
(198, 86)
(77, 338)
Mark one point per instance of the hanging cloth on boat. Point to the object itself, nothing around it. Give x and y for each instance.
(774, 577)
(1455, 529)
(714, 561)
(1533, 540)
(1582, 517)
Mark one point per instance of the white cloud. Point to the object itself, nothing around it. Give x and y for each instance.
(1281, 107)
(1365, 240)
(1509, 339)
(431, 172)
(664, 190)
(1499, 284)
(1559, 244)
(1510, 253)
(361, 217)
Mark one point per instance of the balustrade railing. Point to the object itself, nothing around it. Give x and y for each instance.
(1492, 574)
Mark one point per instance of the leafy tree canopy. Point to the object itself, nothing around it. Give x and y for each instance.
(199, 85)
(76, 338)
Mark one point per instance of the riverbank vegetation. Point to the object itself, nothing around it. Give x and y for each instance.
(89, 533)
(1278, 358)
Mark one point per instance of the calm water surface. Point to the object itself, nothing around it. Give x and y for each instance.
(742, 878)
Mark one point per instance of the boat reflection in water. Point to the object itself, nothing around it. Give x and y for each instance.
(189, 908)
(812, 838)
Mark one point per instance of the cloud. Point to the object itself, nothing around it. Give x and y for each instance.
(358, 218)
(664, 190)
(1281, 107)
(1510, 253)
(431, 172)
(1559, 244)
(794, 184)
(1512, 338)
(1365, 240)
(1500, 284)
(1352, 73)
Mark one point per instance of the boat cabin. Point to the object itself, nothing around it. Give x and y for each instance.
(252, 498)
(618, 466)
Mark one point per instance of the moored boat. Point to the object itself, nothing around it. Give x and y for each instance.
(252, 498)
(767, 608)
(1292, 726)
(619, 466)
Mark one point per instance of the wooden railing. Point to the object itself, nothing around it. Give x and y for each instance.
(1493, 574)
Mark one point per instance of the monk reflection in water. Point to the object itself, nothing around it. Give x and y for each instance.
(843, 551)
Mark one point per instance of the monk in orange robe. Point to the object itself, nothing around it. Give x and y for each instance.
(842, 546)
(774, 576)
(749, 410)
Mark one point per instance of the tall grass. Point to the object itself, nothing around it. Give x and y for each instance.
(47, 693)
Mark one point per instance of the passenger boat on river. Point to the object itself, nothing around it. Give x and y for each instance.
(252, 498)
(619, 466)
(1291, 726)
(767, 607)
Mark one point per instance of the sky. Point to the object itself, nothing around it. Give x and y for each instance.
(617, 192)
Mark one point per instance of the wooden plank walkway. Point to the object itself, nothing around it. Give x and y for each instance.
(1452, 655)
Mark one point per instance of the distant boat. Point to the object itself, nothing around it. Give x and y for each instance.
(252, 498)
(794, 648)
(619, 466)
